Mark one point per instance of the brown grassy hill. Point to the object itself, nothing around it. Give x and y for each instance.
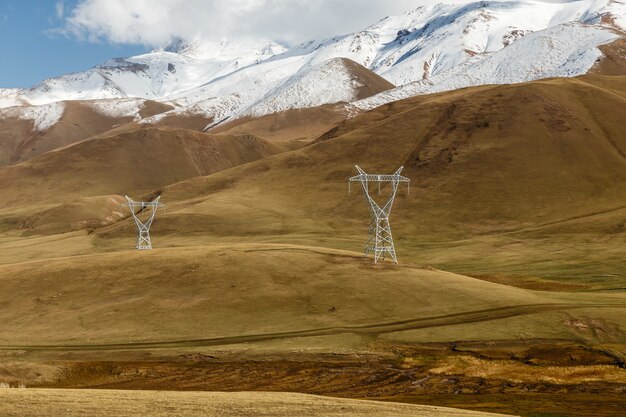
(531, 173)
(613, 61)
(491, 167)
(133, 163)
(371, 82)
(293, 128)
(246, 293)
(299, 126)
(20, 141)
(484, 161)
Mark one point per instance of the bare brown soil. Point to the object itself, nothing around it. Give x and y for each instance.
(525, 378)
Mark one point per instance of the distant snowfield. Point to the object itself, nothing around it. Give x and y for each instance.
(576, 54)
(430, 49)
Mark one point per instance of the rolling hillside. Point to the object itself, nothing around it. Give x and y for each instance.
(29, 131)
(75, 187)
(485, 162)
(510, 243)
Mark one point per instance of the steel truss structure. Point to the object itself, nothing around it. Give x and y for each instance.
(380, 241)
(143, 238)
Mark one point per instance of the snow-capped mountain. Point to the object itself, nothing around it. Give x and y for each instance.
(577, 52)
(283, 84)
(155, 75)
(432, 48)
(332, 81)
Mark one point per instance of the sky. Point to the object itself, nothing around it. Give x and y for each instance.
(45, 38)
(31, 50)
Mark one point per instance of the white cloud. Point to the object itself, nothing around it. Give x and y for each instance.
(156, 22)
(60, 9)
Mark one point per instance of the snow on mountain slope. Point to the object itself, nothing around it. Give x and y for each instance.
(333, 81)
(412, 46)
(154, 75)
(223, 97)
(47, 115)
(272, 86)
(43, 117)
(563, 51)
(130, 107)
(434, 39)
(215, 110)
(431, 48)
(614, 14)
(328, 82)
(432, 45)
(10, 97)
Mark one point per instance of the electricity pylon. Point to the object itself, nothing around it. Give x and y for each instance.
(143, 228)
(380, 241)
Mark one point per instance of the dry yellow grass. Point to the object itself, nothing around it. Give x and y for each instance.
(160, 295)
(50, 193)
(231, 294)
(74, 403)
(517, 372)
(292, 128)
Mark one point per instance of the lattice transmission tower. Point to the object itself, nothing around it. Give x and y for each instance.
(380, 241)
(143, 228)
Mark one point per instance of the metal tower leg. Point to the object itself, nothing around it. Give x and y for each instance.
(143, 241)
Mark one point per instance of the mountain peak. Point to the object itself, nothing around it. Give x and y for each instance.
(179, 45)
(223, 48)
